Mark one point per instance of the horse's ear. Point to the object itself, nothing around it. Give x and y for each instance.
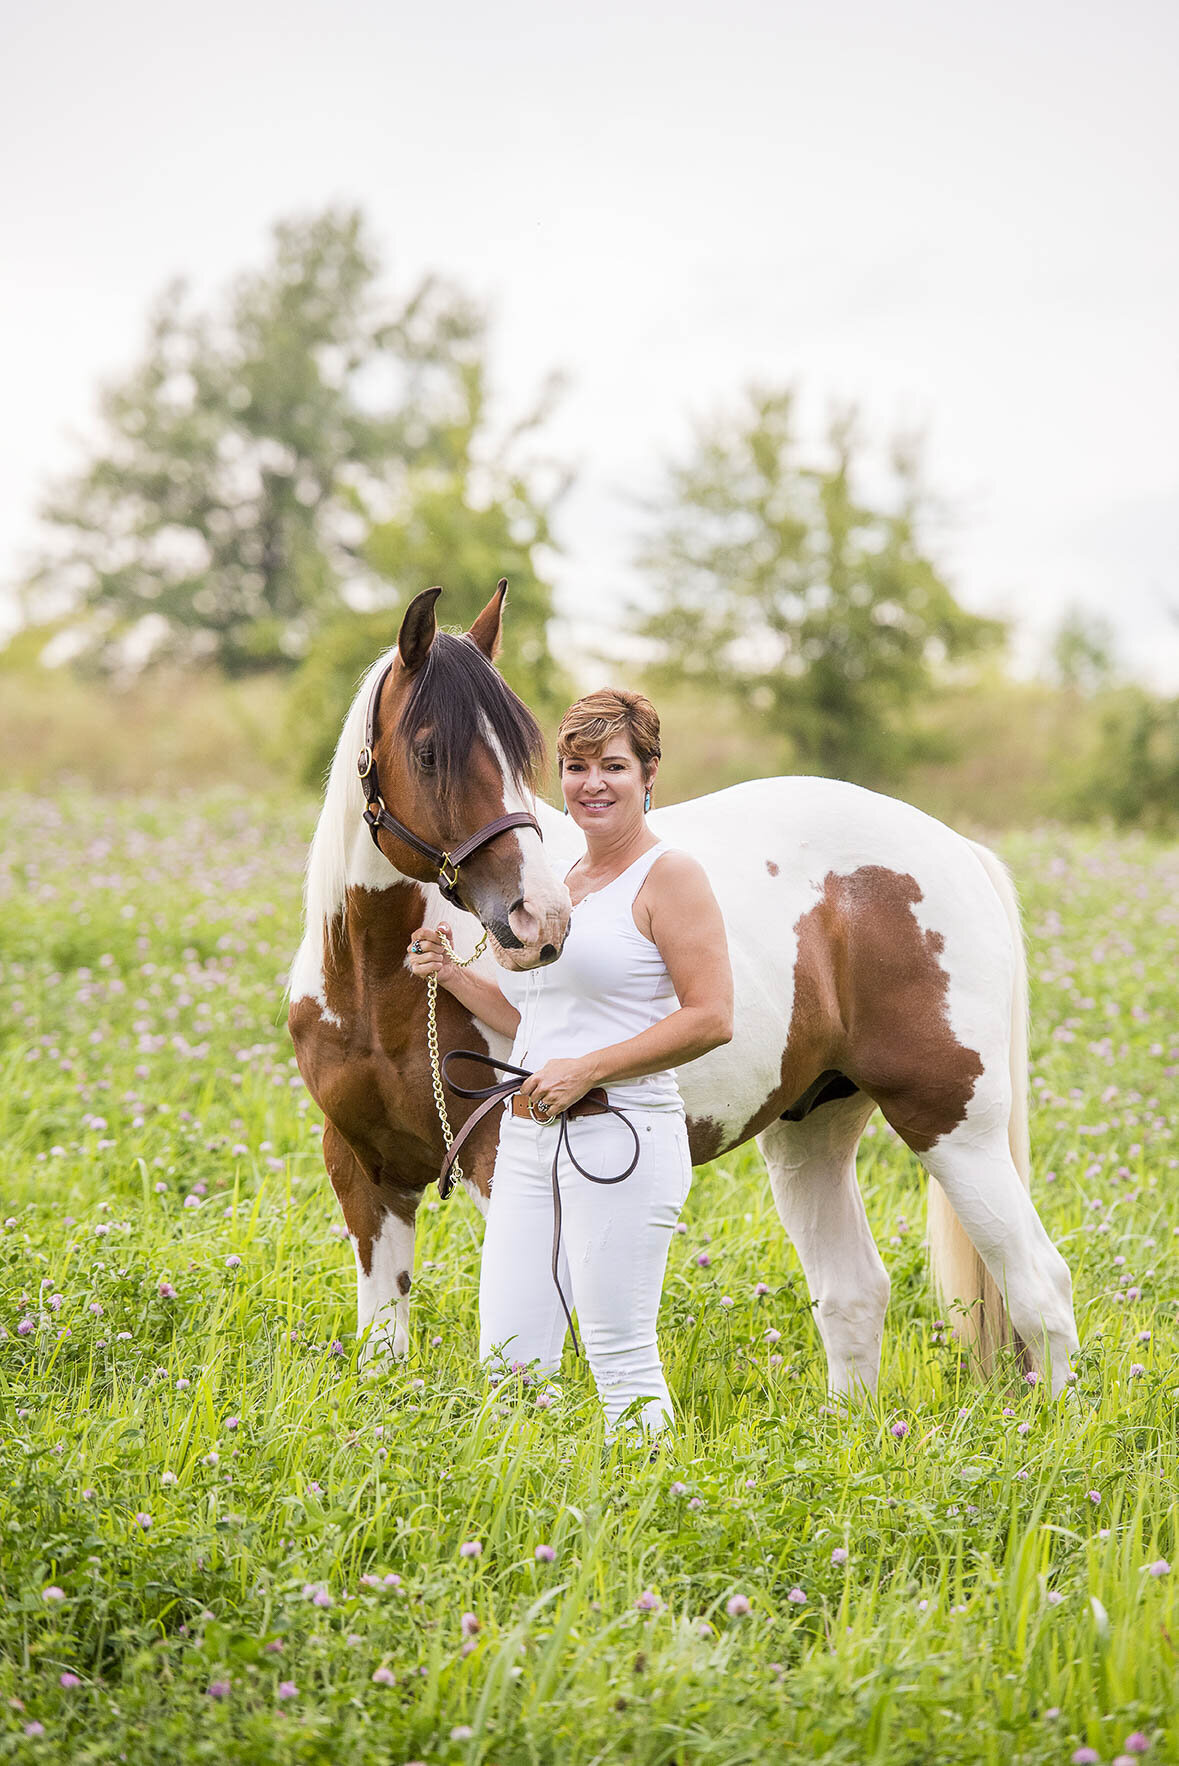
(418, 630)
(486, 630)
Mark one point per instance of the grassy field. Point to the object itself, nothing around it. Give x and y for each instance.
(221, 1543)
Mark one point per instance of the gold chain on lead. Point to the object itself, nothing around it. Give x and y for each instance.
(432, 1035)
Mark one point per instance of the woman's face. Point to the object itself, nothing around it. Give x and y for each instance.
(606, 792)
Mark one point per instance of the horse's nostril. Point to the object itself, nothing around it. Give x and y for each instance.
(547, 952)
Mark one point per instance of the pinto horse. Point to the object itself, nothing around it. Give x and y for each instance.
(877, 959)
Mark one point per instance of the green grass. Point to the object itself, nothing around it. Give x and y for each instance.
(154, 1131)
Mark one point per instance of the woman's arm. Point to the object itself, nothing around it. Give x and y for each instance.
(686, 926)
(478, 993)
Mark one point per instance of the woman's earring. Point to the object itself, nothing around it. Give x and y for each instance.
(565, 811)
(647, 801)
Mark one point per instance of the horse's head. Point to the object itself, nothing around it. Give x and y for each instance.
(450, 752)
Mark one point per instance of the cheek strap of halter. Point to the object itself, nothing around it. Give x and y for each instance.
(376, 816)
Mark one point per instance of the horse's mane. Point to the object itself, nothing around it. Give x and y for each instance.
(459, 695)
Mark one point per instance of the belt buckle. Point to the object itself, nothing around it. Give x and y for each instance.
(543, 1120)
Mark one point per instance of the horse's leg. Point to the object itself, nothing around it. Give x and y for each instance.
(812, 1167)
(381, 1227)
(983, 1187)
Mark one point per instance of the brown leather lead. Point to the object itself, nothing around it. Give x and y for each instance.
(594, 1103)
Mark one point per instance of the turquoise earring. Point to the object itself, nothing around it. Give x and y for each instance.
(647, 802)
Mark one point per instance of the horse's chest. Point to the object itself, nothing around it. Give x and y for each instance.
(362, 1073)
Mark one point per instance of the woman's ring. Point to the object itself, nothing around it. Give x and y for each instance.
(416, 948)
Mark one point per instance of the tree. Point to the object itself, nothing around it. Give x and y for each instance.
(1084, 652)
(1133, 778)
(226, 514)
(775, 581)
(462, 521)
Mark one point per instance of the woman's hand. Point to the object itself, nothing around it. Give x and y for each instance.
(557, 1084)
(427, 956)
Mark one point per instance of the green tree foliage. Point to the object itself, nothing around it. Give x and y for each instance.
(463, 521)
(254, 468)
(777, 582)
(1134, 777)
(1084, 652)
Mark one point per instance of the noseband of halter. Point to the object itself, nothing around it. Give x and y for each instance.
(377, 816)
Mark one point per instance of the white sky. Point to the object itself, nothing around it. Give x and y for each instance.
(963, 217)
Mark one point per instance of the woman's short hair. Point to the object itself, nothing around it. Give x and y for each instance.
(592, 722)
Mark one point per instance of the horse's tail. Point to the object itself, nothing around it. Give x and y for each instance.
(959, 1273)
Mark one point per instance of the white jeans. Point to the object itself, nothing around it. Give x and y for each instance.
(614, 1244)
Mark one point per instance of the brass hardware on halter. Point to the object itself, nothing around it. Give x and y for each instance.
(364, 762)
(448, 875)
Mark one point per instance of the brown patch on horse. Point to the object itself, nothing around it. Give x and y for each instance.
(705, 1139)
(870, 1001)
(771, 867)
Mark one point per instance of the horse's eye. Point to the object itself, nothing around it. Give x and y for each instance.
(426, 757)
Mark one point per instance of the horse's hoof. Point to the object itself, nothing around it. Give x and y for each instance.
(381, 1352)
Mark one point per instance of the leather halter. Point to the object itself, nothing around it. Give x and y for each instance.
(377, 816)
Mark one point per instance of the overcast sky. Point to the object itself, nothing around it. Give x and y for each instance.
(961, 217)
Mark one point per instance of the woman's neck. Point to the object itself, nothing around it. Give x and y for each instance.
(610, 853)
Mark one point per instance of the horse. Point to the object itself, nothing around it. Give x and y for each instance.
(877, 959)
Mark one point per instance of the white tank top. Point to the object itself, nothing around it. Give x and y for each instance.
(608, 984)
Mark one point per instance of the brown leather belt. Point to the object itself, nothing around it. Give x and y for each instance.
(594, 1103)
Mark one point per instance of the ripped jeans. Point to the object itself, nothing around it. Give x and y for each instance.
(614, 1245)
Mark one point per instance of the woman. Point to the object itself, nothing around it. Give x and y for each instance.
(643, 981)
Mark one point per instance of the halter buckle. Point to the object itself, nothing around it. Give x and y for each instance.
(364, 761)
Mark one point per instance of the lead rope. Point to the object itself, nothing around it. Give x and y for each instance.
(432, 1035)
